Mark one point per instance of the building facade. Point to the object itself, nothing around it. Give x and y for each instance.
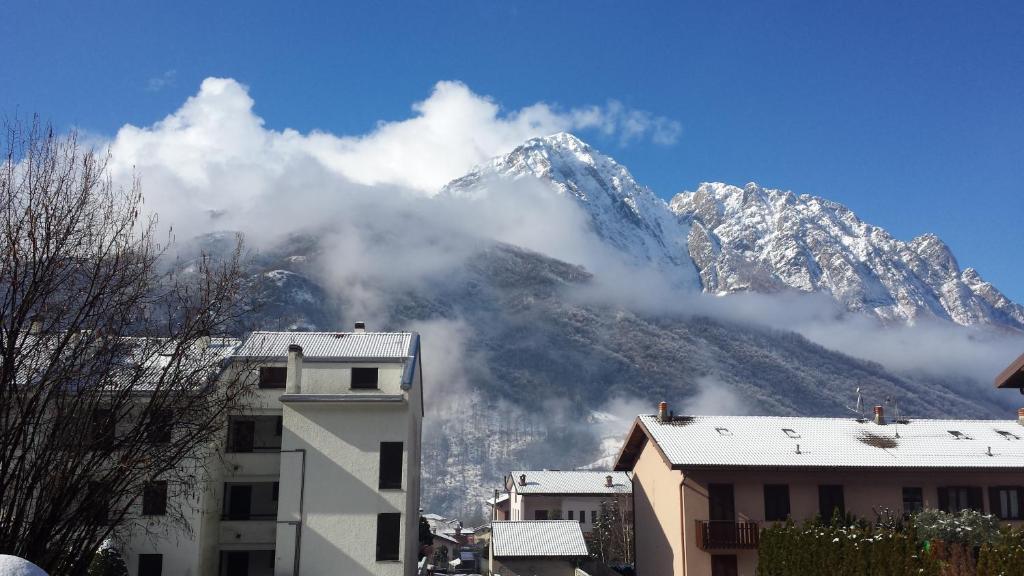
(320, 476)
(565, 495)
(704, 486)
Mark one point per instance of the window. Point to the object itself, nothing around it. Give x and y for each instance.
(254, 433)
(724, 565)
(273, 376)
(390, 466)
(957, 498)
(154, 498)
(831, 501)
(583, 516)
(364, 378)
(159, 429)
(277, 491)
(389, 526)
(593, 516)
(97, 503)
(151, 564)
(776, 502)
(570, 516)
(1006, 501)
(913, 500)
(721, 502)
(102, 429)
(540, 514)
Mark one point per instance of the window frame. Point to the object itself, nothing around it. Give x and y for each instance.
(364, 385)
(772, 504)
(391, 472)
(154, 489)
(385, 522)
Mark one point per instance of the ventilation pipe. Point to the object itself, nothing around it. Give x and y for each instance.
(360, 327)
(522, 479)
(879, 415)
(293, 380)
(663, 412)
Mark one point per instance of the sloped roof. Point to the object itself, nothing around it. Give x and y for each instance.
(329, 345)
(583, 482)
(772, 441)
(534, 538)
(1013, 375)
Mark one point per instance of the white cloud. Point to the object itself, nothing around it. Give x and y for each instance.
(158, 83)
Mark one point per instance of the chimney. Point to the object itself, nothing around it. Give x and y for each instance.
(879, 415)
(293, 381)
(35, 325)
(1020, 416)
(204, 339)
(608, 481)
(663, 412)
(522, 479)
(360, 327)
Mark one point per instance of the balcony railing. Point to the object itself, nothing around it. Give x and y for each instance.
(726, 535)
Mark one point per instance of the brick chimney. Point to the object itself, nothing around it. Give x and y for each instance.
(293, 380)
(1020, 416)
(663, 412)
(522, 479)
(879, 415)
(360, 327)
(608, 481)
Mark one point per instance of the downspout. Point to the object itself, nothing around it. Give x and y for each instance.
(682, 522)
(298, 523)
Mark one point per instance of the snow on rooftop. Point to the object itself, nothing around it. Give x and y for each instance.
(378, 345)
(533, 538)
(14, 566)
(710, 441)
(572, 482)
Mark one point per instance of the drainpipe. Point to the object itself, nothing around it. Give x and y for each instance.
(298, 523)
(682, 523)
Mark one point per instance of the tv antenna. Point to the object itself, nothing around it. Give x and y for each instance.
(859, 410)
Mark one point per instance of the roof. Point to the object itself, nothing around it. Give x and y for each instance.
(501, 499)
(446, 536)
(534, 538)
(330, 345)
(572, 482)
(689, 442)
(1013, 375)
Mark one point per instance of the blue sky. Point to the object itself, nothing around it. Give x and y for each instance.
(909, 112)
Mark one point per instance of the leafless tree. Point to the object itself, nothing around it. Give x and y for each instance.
(110, 385)
(612, 538)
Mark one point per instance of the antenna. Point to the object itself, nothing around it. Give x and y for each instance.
(859, 410)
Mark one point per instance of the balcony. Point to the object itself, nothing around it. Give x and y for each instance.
(726, 535)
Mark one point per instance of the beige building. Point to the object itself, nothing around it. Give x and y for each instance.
(564, 495)
(320, 477)
(703, 486)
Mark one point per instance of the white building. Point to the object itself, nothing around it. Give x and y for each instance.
(321, 476)
(566, 494)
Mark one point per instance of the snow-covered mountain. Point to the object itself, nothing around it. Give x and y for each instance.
(759, 239)
(755, 239)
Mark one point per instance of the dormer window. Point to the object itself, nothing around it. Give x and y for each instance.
(790, 432)
(364, 379)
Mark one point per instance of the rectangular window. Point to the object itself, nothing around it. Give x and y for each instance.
(583, 516)
(273, 376)
(390, 466)
(102, 429)
(593, 517)
(158, 430)
(540, 514)
(570, 516)
(913, 500)
(97, 503)
(389, 527)
(154, 498)
(278, 426)
(724, 565)
(776, 502)
(721, 502)
(254, 433)
(277, 490)
(956, 498)
(364, 378)
(151, 564)
(1006, 502)
(831, 502)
